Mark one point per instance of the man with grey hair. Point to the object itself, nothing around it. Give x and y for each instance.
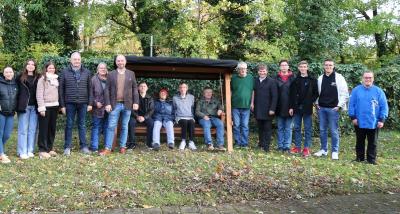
(74, 99)
(242, 90)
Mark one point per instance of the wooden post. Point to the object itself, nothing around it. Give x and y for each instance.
(229, 135)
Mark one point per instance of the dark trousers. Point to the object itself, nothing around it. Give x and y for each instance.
(131, 132)
(372, 137)
(47, 129)
(187, 125)
(264, 133)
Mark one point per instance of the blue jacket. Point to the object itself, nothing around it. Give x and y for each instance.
(369, 106)
(163, 111)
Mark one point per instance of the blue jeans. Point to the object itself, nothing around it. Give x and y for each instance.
(169, 127)
(98, 125)
(113, 119)
(207, 124)
(284, 132)
(329, 118)
(27, 126)
(307, 121)
(241, 126)
(72, 109)
(6, 127)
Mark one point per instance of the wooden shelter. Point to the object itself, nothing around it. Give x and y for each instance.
(190, 68)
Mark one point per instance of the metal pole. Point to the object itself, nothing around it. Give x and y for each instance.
(151, 45)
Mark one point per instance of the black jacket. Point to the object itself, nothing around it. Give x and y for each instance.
(8, 96)
(148, 107)
(24, 94)
(282, 109)
(303, 104)
(97, 95)
(73, 89)
(265, 98)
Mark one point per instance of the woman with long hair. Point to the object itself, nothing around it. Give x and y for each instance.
(47, 99)
(26, 108)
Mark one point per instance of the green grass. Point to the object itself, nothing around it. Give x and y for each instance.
(147, 178)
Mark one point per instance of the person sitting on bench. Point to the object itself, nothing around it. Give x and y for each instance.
(142, 116)
(163, 117)
(208, 110)
(184, 115)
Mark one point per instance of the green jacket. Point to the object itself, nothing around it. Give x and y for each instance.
(204, 108)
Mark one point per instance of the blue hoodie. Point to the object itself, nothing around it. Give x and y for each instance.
(368, 105)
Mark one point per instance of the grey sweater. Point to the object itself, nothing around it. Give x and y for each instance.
(183, 107)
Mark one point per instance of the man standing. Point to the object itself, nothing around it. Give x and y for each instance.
(333, 96)
(209, 110)
(284, 80)
(121, 97)
(368, 110)
(74, 98)
(303, 93)
(242, 89)
(142, 116)
(264, 103)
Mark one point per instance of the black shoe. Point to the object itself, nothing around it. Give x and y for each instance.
(357, 160)
(156, 147)
(171, 146)
(131, 146)
(372, 162)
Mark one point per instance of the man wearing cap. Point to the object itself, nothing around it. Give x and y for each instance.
(242, 90)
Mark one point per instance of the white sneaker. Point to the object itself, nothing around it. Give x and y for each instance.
(23, 157)
(320, 153)
(192, 146)
(4, 159)
(335, 156)
(182, 145)
(31, 155)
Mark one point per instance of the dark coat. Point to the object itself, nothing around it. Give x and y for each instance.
(71, 89)
(131, 95)
(310, 97)
(148, 107)
(164, 111)
(8, 96)
(97, 95)
(282, 108)
(24, 94)
(265, 98)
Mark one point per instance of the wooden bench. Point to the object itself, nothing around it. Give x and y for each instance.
(198, 131)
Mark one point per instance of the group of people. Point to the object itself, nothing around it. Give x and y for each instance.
(116, 96)
(291, 99)
(37, 99)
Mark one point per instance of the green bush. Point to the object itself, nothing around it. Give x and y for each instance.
(388, 78)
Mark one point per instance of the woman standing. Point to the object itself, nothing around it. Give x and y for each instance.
(26, 108)
(96, 99)
(47, 99)
(184, 105)
(8, 105)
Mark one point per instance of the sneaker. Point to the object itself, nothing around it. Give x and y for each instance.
(192, 146)
(105, 152)
(31, 155)
(85, 150)
(295, 150)
(306, 152)
(221, 148)
(320, 153)
(170, 145)
(122, 150)
(44, 155)
(210, 147)
(156, 146)
(4, 159)
(182, 145)
(23, 157)
(67, 151)
(335, 156)
(53, 153)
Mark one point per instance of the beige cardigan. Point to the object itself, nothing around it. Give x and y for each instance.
(47, 92)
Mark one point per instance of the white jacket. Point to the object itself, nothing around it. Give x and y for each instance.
(343, 91)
